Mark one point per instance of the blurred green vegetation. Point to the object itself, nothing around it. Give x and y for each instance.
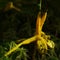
(15, 26)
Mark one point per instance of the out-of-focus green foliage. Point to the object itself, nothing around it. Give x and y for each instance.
(20, 53)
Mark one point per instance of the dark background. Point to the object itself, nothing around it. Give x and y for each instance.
(15, 25)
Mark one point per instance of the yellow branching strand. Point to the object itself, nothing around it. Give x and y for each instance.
(38, 25)
(27, 41)
(43, 19)
(51, 44)
(13, 49)
(40, 39)
(11, 6)
(44, 42)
